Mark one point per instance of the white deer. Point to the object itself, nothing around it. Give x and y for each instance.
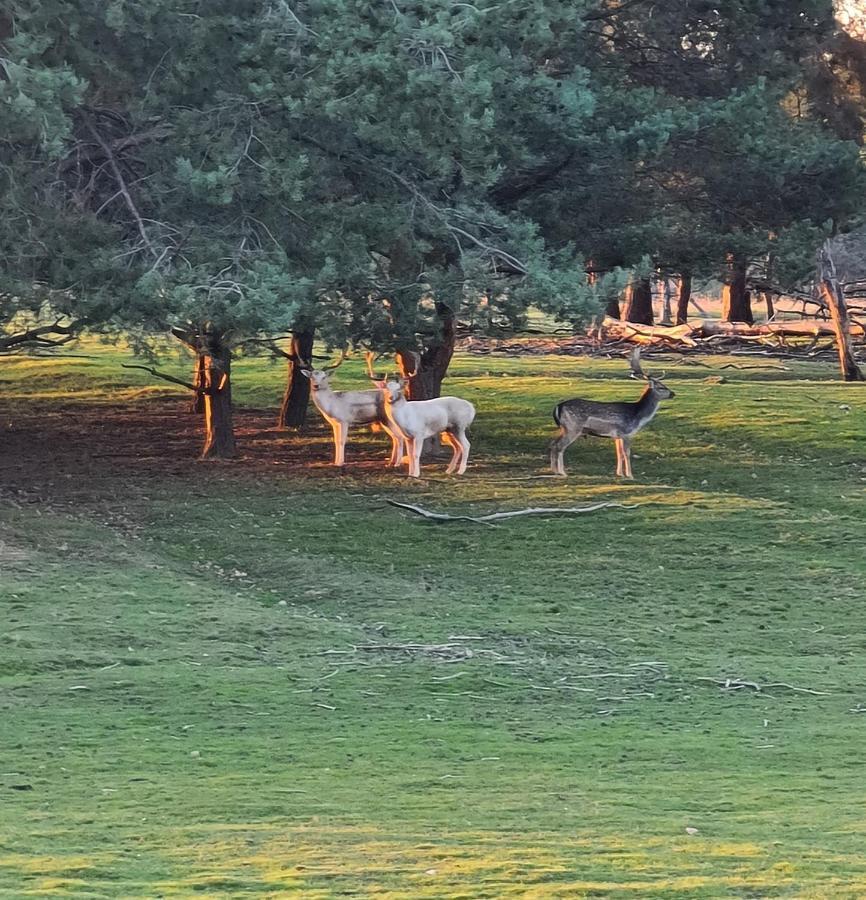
(340, 409)
(418, 420)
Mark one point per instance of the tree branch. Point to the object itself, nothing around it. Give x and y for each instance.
(118, 175)
(611, 11)
(198, 390)
(39, 335)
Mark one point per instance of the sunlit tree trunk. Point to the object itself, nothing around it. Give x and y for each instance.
(212, 382)
(638, 307)
(831, 292)
(198, 379)
(736, 300)
(219, 430)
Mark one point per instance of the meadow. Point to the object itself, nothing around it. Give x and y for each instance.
(257, 678)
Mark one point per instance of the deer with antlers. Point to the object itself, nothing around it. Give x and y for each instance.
(418, 420)
(340, 409)
(620, 421)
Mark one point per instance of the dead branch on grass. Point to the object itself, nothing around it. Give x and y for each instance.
(491, 517)
(736, 684)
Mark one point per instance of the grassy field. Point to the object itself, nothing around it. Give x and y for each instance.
(256, 678)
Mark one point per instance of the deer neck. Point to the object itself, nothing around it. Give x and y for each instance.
(648, 405)
(323, 397)
(395, 408)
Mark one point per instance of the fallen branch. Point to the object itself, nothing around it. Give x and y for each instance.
(491, 517)
(735, 684)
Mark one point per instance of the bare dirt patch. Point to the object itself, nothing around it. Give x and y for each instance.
(74, 455)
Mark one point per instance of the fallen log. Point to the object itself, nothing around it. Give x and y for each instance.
(647, 334)
(691, 335)
(794, 328)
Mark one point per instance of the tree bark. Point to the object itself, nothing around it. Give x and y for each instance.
(219, 430)
(296, 399)
(666, 301)
(212, 382)
(639, 302)
(196, 405)
(684, 297)
(425, 382)
(736, 300)
(832, 293)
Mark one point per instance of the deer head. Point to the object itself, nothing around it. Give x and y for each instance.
(319, 377)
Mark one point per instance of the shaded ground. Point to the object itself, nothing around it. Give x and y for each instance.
(255, 678)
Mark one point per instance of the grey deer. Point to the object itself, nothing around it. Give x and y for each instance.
(620, 421)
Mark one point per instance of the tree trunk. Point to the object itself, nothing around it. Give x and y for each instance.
(736, 300)
(425, 382)
(832, 293)
(213, 385)
(684, 296)
(768, 299)
(667, 293)
(639, 302)
(296, 399)
(219, 431)
(196, 405)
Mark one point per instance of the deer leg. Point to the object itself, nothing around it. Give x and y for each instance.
(617, 442)
(456, 451)
(416, 445)
(626, 455)
(341, 431)
(396, 445)
(558, 447)
(464, 458)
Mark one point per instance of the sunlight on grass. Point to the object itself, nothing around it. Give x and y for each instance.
(321, 861)
(258, 677)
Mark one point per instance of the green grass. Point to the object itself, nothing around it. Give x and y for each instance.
(208, 686)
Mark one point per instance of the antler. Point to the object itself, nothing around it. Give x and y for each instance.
(343, 354)
(416, 356)
(635, 366)
(637, 370)
(369, 357)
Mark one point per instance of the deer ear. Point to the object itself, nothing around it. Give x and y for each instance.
(306, 372)
(379, 384)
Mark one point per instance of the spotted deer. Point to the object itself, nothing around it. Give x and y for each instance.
(620, 421)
